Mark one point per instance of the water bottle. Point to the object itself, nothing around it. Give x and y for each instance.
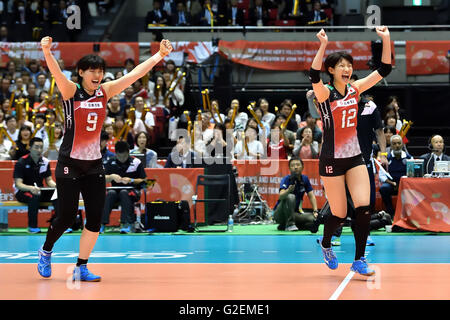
(230, 223)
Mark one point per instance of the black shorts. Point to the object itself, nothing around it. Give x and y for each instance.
(331, 167)
(73, 168)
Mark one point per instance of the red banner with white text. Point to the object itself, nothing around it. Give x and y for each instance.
(114, 53)
(291, 55)
(427, 57)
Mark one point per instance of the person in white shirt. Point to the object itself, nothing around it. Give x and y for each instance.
(149, 120)
(11, 127)
(255, 147)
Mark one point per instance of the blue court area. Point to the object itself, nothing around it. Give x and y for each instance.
(220, 249)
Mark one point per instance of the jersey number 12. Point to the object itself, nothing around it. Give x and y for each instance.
(92, 121)
(348, 117)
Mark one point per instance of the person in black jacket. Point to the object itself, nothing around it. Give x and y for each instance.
(181, 17)
(235, 15)
(157, 15)
(181, 156)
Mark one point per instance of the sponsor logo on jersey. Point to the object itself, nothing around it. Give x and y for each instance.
(345, 103)
(91, 105)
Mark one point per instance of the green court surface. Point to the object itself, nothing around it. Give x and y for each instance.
(239, 229)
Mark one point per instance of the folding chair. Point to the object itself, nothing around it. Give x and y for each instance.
(211, 180)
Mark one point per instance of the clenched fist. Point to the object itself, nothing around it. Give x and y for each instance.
(382, 31)
(322, 36)
(46, 43)
(165, 47)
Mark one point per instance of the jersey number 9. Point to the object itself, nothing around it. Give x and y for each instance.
(92, 121)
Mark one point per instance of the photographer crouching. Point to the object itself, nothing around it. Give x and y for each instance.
(288, 212)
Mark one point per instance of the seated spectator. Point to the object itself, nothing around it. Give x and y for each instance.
(390, 121)
(394, 101)
(215, 106)
(397, 169)
(157, 15)
(5, 90)
(389, 111)
(287, 134)
(34, 69)
(310, 122)
(122, 131)
(288, 13)
(437, 148)
(39, 122)
(32, 96)
(158, 92)
(123, 170)
(142, 141)
(106, 154)
(4, 35)
(42, 83)
(317, 16)
(22, 143)
(217, 146)
(241, 118)
(306, 148)
(113, 108)
(11, 127)
(29, 173)
(169, 6)
(11, 70)
(181, 17)
(388, 131)
(6, 108)
(111, 143)
(128, 98)
(5, 147)
(277, 144)
(181, 155)
(175, 73)
(235, 15)
(259, 15)
(288, 212)
(139, 90)
(204, 17)
(248, 147)
(52, 149)
(268, 116)
(286, 108)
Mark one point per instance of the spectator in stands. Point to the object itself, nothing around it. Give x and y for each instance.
(437, 149)
(111, 143)
(2, 118)
(21, 12)
(266, 126)
(139, 90)
(235, 15)
(306, 148)
(42, 83)
(142, 141)
(287, 134)
(261, 131)
(106, 154)
(287, 11)
(157, 15)
(390, 121)
(248, 147)
(175, 73)
(26, 78)
(194, 7)
(277, 144)
(288, 211)
(170, 7)
(204, 17)
(19, 89)
(129, 65)
(389, 111)
(181, 155)
(158, 92)
(217, 146)
(268, 116)
(128, 98)
(113, 108)
(5, 91)
(34, 69)
(394, 101)
(11, 127)
(118, 75)
(181, 17)
(4, 35)
(389, 131)
(39, 122)
(11, 70)
(397, 168)
(317, 16)
(241, 118)
(258, 14)
(6, 107)
(29, 173)
(215, 106)
(286, 108)
(310, 122)
(126, 171)
(5, 146)
(122, 131)
(148, 118)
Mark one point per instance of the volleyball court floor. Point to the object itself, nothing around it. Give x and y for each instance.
(218, 267)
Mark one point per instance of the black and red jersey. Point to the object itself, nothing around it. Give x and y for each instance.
(83, 121)
(340, 118)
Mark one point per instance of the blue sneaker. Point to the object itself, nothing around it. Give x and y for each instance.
(82, 273)
(34, 230)
(360, 266)
(102, 229)
(125, 230)
(69, 230)
(370, 241)
(44, 263)
(335, 241)
(329, 257)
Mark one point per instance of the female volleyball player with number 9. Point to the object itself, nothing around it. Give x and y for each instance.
(341, 162)
(79, 168)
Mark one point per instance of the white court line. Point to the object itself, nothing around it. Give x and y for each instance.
(342, 286)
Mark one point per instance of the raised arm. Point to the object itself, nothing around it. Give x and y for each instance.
(320, 90)
(65, 86)
(117, 86)
(385, 68)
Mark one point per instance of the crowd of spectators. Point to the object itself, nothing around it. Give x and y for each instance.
(239, 13)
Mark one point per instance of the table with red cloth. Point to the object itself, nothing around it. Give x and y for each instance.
(423, 204)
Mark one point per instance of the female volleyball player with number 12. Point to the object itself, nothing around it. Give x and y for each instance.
(79, 168)
(341, 161)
